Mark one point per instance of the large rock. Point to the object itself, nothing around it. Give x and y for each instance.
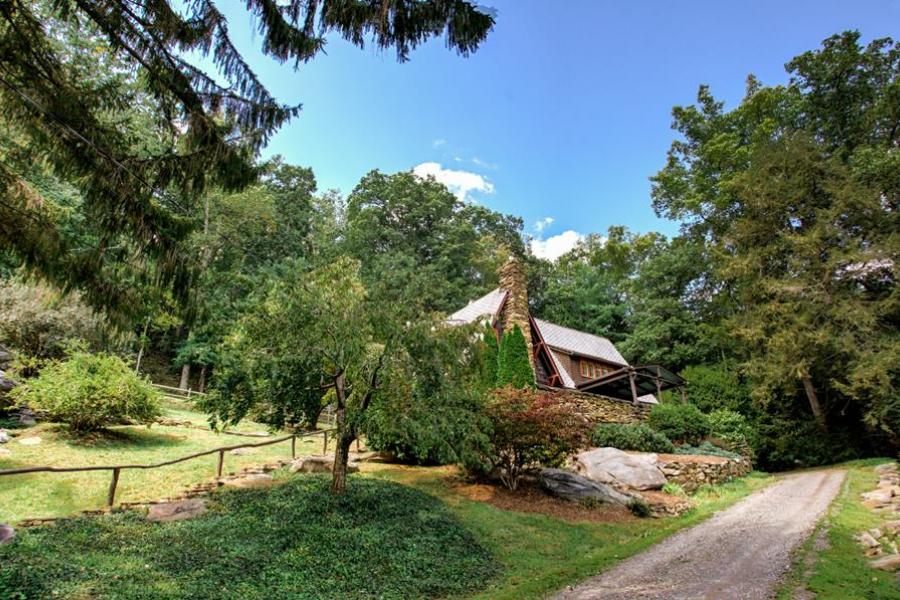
(621, 469)
(7, 534)
(319, 463)
(891, 562)
(573, 486)
(176, 511)
(4, 437)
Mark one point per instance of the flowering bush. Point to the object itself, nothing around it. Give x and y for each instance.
(531, 428)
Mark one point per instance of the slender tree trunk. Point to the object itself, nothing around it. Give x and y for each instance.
(201, 385)
(814, 401)
(185, 376)
(344, 438)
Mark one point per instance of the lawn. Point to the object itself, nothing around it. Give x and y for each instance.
(41, 495)
(840, 571)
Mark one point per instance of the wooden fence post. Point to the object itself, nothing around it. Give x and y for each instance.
(111, 496)
(325, 445)
(294, 446)
(221, 462)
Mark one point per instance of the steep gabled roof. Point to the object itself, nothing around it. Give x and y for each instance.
(486, 306)
(572, 341)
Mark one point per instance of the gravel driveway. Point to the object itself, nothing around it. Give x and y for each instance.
(739, 553)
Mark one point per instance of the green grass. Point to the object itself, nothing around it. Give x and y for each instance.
(541, 554)
(380, 540)
(42, 495)
(841, 571)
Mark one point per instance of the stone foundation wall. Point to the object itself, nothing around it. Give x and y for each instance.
(693, 471)
(599, 409)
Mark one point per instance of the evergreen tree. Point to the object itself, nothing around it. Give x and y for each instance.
(490, 354)
(513, 366)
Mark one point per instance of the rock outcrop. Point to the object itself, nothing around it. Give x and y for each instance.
(620, 469)
(176, 511)
(572, 486)
(319, 463)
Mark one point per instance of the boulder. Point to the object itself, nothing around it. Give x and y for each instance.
(621, 469)
(176, 511)
(255, 480)
(7, 534)
(891, 562)
(572, 486)
(319, 463)
(867, 540)
(878, 495)
(30, 441)
(4, 437)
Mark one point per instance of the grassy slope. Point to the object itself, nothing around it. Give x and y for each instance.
(541, 554)
(61, 494)
(380, 540)
(841, 571)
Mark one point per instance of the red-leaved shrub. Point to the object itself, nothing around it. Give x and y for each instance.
(532, 428)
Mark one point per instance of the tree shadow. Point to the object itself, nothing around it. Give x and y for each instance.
(125, 438)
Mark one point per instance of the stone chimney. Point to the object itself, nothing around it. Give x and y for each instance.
(515, 310)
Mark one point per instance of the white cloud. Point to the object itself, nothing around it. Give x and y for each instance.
(438, 143)
(460, 183)
(555, 246)
(542, 224)
(485, 164)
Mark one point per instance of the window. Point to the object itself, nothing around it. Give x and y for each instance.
(593, 370)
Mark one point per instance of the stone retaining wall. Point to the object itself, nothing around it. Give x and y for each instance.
(599, 409)
(693, 471)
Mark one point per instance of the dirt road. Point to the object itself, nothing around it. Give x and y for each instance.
(739, 553)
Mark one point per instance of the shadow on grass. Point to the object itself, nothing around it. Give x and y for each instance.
(124, 438)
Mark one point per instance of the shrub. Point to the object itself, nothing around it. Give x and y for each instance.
(681, 423)
(733, 429)
(716, 386)
(87, 392)
(513, 364)
(639, 507)
(531, 429)
(674, 489)
(708, 449)
(631, 437)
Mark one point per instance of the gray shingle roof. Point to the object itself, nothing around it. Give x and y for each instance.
(486, 306)
(578, 342)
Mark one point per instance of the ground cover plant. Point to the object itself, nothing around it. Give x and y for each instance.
(41, 495)
(630, 437)
(378, 540)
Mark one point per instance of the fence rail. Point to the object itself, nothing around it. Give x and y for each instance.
(117, 469)
(176, 391)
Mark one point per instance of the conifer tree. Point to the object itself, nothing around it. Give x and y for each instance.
(513, 366)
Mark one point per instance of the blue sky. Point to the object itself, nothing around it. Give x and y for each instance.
(564, 112)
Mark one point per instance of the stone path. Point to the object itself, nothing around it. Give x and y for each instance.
(739, 553)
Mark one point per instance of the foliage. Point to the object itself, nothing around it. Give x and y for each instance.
(88, 392)
(145, 107)
(794, 196)
(730, 426)
(681, 423)
(41, 323)
(674, 489)
(639, 507)
(488, 357)
(513, 365)
(708, 448)
(434, 412)
(292, 534)
(529, 429)
(638, 437)
(713, 386)
(422, 247)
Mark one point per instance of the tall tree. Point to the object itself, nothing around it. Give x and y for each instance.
(206, 127)
(794, 195)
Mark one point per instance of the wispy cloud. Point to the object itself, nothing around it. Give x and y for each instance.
(485, 164)
(543, 224)
(460, 183)
(438, 143)
(555, 246)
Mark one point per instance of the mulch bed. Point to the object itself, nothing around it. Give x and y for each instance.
(530, 498)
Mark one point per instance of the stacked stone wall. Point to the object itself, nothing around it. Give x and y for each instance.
(693, 471)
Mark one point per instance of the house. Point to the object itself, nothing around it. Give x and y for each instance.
(562, 357)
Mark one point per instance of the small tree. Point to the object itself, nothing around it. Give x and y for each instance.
(513, 365)
(531, 429)
(88, 392)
